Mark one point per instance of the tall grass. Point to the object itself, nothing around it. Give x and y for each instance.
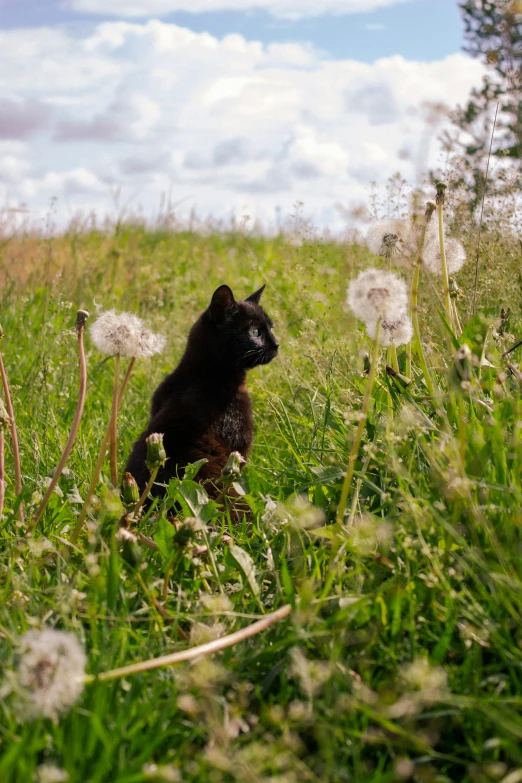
(403, 654)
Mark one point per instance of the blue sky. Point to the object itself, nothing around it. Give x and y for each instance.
(419, 29)
(236, 110)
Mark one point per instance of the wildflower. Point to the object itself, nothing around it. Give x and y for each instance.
(233, 466)
(391, 238)
(50, 674)
(367, 534)
(298, 513)
(378, 294)
(216, 603)
(48, 773)
(311, 675)
(156, 454)
(131, 493)
(164, 772)
(455, 254)
(124, 334)
(422, 676)
(396, 333)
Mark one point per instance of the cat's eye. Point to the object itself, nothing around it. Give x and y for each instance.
(253, 331)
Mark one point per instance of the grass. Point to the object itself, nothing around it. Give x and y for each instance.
(403, 655)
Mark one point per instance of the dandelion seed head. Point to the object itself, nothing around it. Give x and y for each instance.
(150, 344)
(396, 333)
(124, 334)
(377, 294)
(391, 238)
(455, 254)
(50, 675)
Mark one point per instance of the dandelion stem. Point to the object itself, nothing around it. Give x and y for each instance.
(114, 422)
(14, 437)
(92, 485)
(416, 328)
(144, 495)
(80, 328)
(194, 652)
(2, 472)
(126, 379)
(360, 427)
(394, 358)
(408, 359)
(445, 279)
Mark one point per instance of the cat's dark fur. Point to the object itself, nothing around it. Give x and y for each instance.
(203, 408)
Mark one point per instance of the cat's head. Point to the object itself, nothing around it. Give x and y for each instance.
(241, 330)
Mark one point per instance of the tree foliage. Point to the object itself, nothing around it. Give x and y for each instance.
(493, 32)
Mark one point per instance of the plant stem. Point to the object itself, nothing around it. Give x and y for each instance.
(126, 379)
(408, 360)
(394, 358)
(444, 266)
(416, 329)
(194, 652)
(114, 422)
(80, 328)
(92, 485)
(144, 495)
(2, 472)
(14, 437)
(360, 427)
(456, 319)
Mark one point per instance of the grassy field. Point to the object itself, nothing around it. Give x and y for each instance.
(402, 658)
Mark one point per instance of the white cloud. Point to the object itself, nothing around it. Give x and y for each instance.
(289, 9)
(156, 109)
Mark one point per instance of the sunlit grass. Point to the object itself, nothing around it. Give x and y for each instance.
(403, 656)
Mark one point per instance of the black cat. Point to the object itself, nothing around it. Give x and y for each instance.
(203, 408)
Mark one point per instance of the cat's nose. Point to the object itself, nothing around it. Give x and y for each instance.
(275, 344)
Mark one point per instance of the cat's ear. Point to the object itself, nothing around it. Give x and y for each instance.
(256, 296)
(222, 300)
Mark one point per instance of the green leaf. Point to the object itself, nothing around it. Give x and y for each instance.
(191, 494)
(193, 468)
(246, 565)
(164, 534)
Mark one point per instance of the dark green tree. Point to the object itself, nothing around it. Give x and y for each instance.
(493, 33)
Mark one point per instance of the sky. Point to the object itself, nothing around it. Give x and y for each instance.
(221, 108)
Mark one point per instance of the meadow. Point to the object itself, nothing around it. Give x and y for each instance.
(402, 656)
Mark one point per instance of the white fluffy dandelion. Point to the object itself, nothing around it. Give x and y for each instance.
(391, 238)
(50, 675)
(396, 333)
(378, 294)
(455, 254)
(150, 344)
(124, 334)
